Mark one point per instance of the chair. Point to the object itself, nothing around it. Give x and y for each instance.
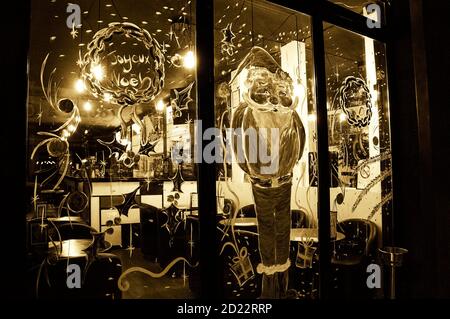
(298, 219)
(351, 257)
(100, 271)
(359, 243)
(248, 211)
(74, 231)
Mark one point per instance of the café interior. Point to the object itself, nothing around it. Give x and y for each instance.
(114, 128)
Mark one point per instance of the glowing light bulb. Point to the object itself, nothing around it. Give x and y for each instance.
(80, 87)
(189, 60)
(343, 117)
(71, 128)
(160, 106)
(298, 90)
(375, 96)
(136, 128)
(66, 134)
(87, 106)
(312, 117)
(107, 97)
(97, 72)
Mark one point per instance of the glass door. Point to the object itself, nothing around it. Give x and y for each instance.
(267, 151)
(361, 191)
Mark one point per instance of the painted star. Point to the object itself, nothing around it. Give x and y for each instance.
(40, 114)
(74, 32)
(80, 62)
(227, 41)
(129, 200)
(189, 120)
(228, 35)
(163, 49)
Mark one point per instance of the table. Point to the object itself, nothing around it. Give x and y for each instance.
(241, 222)
(310, 234)
(72, 248)
(66, 219)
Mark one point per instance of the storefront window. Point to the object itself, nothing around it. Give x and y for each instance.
(112, 104)
(114, 143)
(360, 151)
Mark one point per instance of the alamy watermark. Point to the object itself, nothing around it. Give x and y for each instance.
(74, 18)
(73, 276)
(372, 9)
(251, 146)
(374, 279)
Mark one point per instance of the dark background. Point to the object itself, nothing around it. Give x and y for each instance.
(419, 73)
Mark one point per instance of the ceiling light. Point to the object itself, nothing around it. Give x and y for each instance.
(189, 60)
(160, 106)
(80, 86)
(107, 97)
(71, 128)
(97, 72)
(87, 106)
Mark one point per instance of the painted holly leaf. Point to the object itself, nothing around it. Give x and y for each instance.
(181, 100)
(147, 148)
(128, 202)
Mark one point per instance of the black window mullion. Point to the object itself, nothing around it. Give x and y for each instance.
(323, 203)
(209, 266)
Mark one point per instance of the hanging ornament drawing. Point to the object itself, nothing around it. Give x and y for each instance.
(129, 200)
(226, 44)
(181, 101)
(355, 101)
(178, 179)
(115, 147)
(174, 219)
(124, 61)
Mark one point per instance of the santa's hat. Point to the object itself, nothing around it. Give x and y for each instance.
(260, 58)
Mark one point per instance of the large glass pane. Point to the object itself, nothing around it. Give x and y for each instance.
(360, 153)
(112, 99)
(267, 187)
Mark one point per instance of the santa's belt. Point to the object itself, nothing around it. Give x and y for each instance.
(272, 182)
